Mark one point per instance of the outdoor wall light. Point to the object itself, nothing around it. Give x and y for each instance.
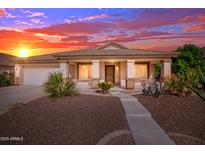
(16, 68)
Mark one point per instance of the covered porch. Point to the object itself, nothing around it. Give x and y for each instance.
(125, 73)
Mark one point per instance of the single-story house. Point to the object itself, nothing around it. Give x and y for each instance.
(5, 63)
(110, 62)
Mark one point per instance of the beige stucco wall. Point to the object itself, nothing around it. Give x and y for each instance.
(102, 71)
(71, 71)
(165, 68)
(151, 71)
(52, 65)
(75, 75)
(123, 73)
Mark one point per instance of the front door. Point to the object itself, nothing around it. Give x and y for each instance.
(110, 73)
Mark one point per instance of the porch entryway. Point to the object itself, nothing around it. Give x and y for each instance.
(110, 73)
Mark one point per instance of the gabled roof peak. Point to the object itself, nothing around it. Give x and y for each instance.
(112, 45)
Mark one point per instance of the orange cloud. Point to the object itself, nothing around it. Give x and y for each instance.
(2, 12)
(195, 28)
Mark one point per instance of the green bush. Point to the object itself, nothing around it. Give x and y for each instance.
(105, 86)
(189, 56)
(177, 84)
(56, 86)
(6, 79)
(157, 71)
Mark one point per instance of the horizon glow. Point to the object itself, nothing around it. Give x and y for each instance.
(45, 31)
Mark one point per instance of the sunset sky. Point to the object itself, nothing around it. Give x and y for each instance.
(43, 31)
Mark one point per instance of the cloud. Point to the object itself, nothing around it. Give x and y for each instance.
(37, 14)
(129, 38)
(11, 40)
(100, 16)
(19, 22)
(73, 28)
(36, 21)
(33, 14)
(50, 38)
(2, 12)
(152, 18)
(82, 38)
(198, 18)
(195, 28)
(6, 14)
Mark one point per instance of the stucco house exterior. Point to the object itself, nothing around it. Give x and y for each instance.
(125, 67)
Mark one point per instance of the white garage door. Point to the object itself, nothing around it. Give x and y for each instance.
(37, 76)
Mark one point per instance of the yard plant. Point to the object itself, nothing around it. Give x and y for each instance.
(195, 89)
(189, 56)
(187, 71)
(6, 79)
(105, 86)
(57, 86)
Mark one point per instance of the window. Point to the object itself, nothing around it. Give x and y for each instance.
(85, 71)
(141, 71)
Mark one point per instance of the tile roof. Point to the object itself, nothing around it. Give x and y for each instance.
(103, 50)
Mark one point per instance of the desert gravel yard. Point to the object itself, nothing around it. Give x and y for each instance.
(182, 118)
(82, 119)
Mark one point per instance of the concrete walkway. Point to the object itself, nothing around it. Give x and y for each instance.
(144, 129)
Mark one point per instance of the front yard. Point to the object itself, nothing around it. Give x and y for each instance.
(182, 118)
(82, 119)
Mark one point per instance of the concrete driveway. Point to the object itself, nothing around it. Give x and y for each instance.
(19, 94)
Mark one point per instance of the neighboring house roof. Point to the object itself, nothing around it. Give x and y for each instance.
(108, 50)
(5, 60)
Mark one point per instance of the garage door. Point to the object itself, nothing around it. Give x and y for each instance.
(37, 76)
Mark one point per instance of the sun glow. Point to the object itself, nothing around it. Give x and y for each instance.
(23, 52)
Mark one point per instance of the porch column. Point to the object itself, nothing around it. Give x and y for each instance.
(165, 68)
(130, 74)
(151, 71)
(64, 69)
(18, 79)
(95, 73)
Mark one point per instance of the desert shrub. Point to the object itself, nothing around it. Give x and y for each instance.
(56, 86)
(195, 89)
(105, 86)
(177, 84)
(6, 79)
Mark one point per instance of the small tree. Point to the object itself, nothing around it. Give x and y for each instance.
(189, 56)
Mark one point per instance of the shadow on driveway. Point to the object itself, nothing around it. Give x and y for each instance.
(18, 94)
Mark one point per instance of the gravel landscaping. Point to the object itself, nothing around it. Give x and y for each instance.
(82, 119)
(182, 118)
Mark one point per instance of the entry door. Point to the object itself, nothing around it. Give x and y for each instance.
(110, 73)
